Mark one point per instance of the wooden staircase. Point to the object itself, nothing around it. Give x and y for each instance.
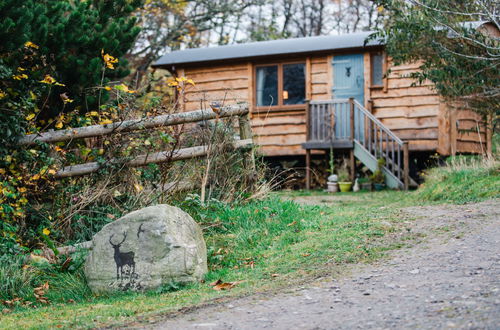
(346, 124)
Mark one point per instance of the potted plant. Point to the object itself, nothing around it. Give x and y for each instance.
(378, 177)
(344, 183)
(365, 184)
(332, 181)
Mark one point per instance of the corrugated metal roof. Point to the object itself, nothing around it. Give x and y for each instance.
(267, 48)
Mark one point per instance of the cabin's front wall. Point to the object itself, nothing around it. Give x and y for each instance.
(412, 111)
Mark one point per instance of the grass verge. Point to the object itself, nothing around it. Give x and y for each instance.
(462, 180)
(269, 245)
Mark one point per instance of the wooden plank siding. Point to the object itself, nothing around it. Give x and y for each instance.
(227, 84)
(411, 112)
(414, 112)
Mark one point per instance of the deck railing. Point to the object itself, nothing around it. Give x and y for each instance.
(347, 120)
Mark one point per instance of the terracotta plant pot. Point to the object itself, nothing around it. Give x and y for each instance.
(332, 187)
(345, 186)
(379, 186)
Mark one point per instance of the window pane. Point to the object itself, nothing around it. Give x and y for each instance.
(267, 85)
(294, 83)
(377, 69)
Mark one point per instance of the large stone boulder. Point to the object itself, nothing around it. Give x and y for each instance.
(145, 249)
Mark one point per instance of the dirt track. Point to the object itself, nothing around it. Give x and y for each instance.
(450, 280)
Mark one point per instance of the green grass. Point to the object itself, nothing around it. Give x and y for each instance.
(269, 244)
(463, 180)
(246, 243)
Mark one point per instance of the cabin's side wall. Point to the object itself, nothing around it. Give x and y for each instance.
(416, 113)
(410, 110)
(471, 132)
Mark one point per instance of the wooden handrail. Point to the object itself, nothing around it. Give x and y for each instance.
(333, 101)
(378, 122)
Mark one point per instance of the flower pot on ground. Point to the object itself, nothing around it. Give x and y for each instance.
(344, 183)
(378, 177)
(345, 186)
(365, 184)
(332, 187)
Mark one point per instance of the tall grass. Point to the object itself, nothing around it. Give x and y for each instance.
(463, 179)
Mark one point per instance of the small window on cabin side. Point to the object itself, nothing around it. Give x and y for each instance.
(267, 85)
(294, 83)
(377, 69)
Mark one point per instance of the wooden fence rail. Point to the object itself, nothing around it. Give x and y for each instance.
(133, 125)
(240, 111)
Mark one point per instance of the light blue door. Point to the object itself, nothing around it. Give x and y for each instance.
(348, 81)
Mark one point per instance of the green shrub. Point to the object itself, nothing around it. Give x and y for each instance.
(16, 281)
(19, 276)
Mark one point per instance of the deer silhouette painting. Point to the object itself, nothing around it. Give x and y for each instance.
(122, 258)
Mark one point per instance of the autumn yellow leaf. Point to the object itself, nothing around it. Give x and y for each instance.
(2, 94)
(48, 79)
(107, 88)
(20, 76)
(59, 125)
(30, 116)
(31, 45)
(22, 189)
(124, 88)
(138, 187)
(173, 83)
(35, 177)
(52, 171)
(109, 60)
(46, 231)
(105, 122)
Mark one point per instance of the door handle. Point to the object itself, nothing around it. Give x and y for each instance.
(358, 79)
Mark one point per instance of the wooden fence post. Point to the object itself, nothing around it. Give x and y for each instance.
(246, 133)
(406, 165)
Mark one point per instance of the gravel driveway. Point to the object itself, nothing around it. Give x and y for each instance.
(450, 280)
